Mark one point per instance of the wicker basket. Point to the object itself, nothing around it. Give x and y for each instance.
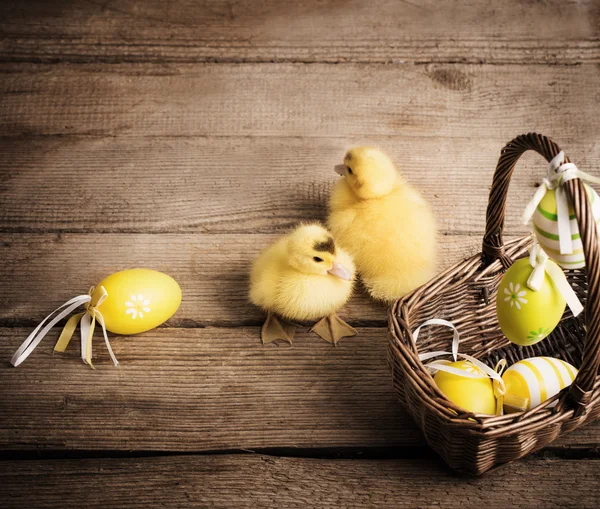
(465, 295)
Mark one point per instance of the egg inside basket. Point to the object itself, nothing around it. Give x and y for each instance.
(465, 295)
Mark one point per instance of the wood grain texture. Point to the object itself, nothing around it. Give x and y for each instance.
(312, 31)
(241, 481)
(42, 271)
(242, 185)
(208, 389)
(184, 136)
(314, 101)
(202, 390)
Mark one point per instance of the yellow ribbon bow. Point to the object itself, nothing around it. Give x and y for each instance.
(88, 323)
(495, 374)
(502, 399)
(91, 301)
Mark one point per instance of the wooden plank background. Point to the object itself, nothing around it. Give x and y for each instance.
(185, 136)
(259, 481)
(380, 31)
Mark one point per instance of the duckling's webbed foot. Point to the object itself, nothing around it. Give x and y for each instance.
(275, 329)
(332, 328)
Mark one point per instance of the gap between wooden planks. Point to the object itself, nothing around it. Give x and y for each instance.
(241, 481)
(42, 271)
(149, 101)
(191, 388)
(313, 31)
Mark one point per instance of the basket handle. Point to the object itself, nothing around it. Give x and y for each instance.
(581, 390)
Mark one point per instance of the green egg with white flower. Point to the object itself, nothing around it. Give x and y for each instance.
(526, 316)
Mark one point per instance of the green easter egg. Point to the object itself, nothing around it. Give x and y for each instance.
(526, 316)
(545, 226)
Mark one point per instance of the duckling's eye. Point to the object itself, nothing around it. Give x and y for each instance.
(349, 170)
(317, 259)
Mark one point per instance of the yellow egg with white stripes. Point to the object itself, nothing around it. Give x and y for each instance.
(545, 225)
(534, 380)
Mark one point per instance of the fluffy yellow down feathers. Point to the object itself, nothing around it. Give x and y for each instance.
(303, 276)
(384, 223)
(376, 219)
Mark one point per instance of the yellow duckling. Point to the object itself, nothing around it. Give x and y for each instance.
(384, 223)
(303, 276)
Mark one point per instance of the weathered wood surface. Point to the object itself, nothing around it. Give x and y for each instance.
(245, 185)
(488, 102)
(42, 271)
(208, 389)
(240, 481)
(325, 31)
(184, 136)
(202, 389)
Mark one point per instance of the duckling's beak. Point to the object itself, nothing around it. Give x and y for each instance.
(340, 169)
(340, 271)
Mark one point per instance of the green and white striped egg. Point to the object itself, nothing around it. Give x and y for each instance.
(538, 379)
(545, 225)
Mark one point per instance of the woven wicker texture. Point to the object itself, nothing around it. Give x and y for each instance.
(465, 295)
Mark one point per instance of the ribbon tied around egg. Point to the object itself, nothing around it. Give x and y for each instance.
(558, 173)
(87, 320)
(495, 374)
(538, 259)
(127, 302)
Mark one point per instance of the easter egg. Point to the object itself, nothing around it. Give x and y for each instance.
(473, 394)
(138, 300)
(545, 225)
(526, 316)
(537, 379)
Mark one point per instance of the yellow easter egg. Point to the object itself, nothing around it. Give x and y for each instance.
(138, 300)
(545, 225)
(526, 316)
(537, 379)
(473, 394)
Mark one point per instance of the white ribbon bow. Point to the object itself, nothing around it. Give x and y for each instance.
(538, 259)
(499, 386)
(559, 172)
(34, 339)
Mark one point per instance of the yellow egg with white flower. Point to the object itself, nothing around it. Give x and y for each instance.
(532, 381)
(138, 300)
(545, 225)
(473, 394)
(527, 316)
